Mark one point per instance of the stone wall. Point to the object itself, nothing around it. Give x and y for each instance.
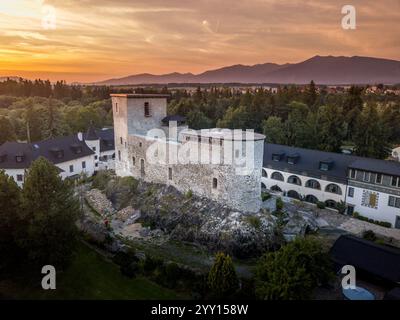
(237, 191)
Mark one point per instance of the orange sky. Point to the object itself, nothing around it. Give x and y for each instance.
(99, 39)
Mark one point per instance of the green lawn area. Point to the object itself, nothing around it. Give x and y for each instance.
(89, 276)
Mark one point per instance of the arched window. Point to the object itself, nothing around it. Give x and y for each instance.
(264, 174)
(293, 194)
(333, 188)
(331, 204)
(277, 176)
(294, 180)
(263, 186)
(276, 189)
(311, 199)
(313, 184)
(133, 160)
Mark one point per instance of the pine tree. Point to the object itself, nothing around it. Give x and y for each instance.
(371, 135)
(50, 211)
(274, 130)
(7, 131)
(10, 203)
(222, 278)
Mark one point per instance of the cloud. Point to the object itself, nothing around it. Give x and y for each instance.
(123, 37)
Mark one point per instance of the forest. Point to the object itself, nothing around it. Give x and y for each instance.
(303, 116)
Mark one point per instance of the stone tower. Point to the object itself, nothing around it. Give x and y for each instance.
(217, 170)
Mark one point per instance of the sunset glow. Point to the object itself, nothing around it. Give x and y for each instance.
(97, 39)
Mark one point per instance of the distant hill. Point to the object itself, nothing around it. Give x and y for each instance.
(323, 70)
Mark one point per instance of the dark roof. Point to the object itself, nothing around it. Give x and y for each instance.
(106, 139)
(308, 161)
(380, 166)
(10, 150)
(377, 260)
(176, 118)
(55, 150)
(68, 145)
(91, 134)
(393, 294)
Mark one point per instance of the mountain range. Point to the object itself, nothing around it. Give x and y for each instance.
(322, 69)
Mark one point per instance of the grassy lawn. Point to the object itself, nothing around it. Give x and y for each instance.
(90, 276)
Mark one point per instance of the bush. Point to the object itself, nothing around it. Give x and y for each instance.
(101, 179)
(222, 278)
(369, 235)
(321, 205)
(255, 222)
(189, 194)
(294, 271)
(279, 204)
(384, 224)
(128, 263)
(265, 196)
(150, 264)
(341, 207)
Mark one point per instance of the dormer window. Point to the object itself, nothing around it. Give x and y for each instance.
(58, 153)
(77, 149)
(325, 165)
(147, 109)
(19, 158)
(292, 159)
(277, 156)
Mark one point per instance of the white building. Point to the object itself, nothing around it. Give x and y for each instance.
(370, 187)
(396, 154)
(102, 143)
(73, 155)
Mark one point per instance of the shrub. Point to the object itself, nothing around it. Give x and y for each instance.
(294, 271)
(255, 222)
(128, 262)
(279, 204)
(321, 205)
(101, 179)
(189, 194)
(265, 196)
(384, 224)
(222, 278)
(341, 207)
(369, 235)
(150, 264)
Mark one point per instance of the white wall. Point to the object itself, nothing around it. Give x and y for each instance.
(89, 170)
(322, 195)
(14, 172)
(383, 212)
(396, 153)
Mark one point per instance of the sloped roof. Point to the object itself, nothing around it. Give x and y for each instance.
(70, 147)
(106, 137)
(377, 260)
(309, 162)
(375, 165)
(91, 134)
